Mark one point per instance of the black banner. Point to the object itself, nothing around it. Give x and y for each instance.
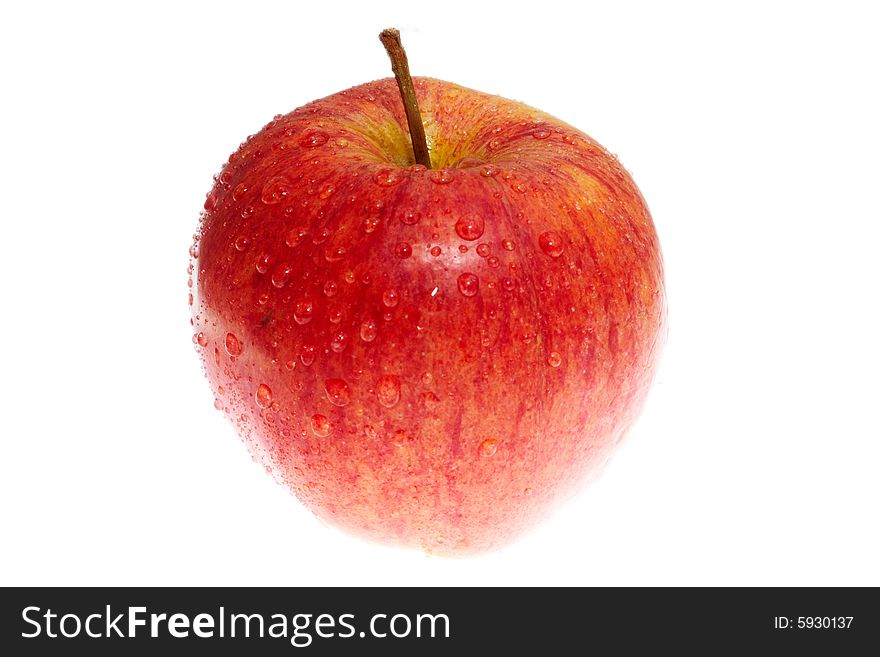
(437, 621)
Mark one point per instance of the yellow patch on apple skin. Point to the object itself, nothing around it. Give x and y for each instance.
(384, 138)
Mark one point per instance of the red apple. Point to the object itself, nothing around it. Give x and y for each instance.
(428, 357)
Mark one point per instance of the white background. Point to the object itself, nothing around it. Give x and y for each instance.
(752, 132)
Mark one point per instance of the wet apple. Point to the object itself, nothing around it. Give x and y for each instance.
(428, 344)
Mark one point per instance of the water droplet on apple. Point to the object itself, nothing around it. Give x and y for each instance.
(276, 190)
(313, 137)
(263, 396)
(441, 176)
(339, 341)
(320, 425)
(239, 191)
(410, 217)
(337, 391)
(334, 253)
(468, 284)
(295, 236)
(331, 288)
(242, 243)
(470, 227)
(263, 263)
(493, 262)
(281, 275)
(194, 251)
(508, 284)
(488, 171)
(403, 250)
(307, 354)
(200, 339)
(371, 224)
(483, 250)
(488, 447)
(390, 297)
(233, 345)
(519, 187)
(321, 236)
(541, 133)
(436, 251)
(326, 191)
(247, 211)
(303, 311)
(387, 177)
(210, 202)
(462, 248)
(551, 243)
(388, 390)
(554, 359)
(507, 245)
(369, 330)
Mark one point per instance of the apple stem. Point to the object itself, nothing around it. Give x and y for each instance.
(390, 38)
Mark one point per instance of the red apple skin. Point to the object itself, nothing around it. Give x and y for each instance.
(430, 358)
